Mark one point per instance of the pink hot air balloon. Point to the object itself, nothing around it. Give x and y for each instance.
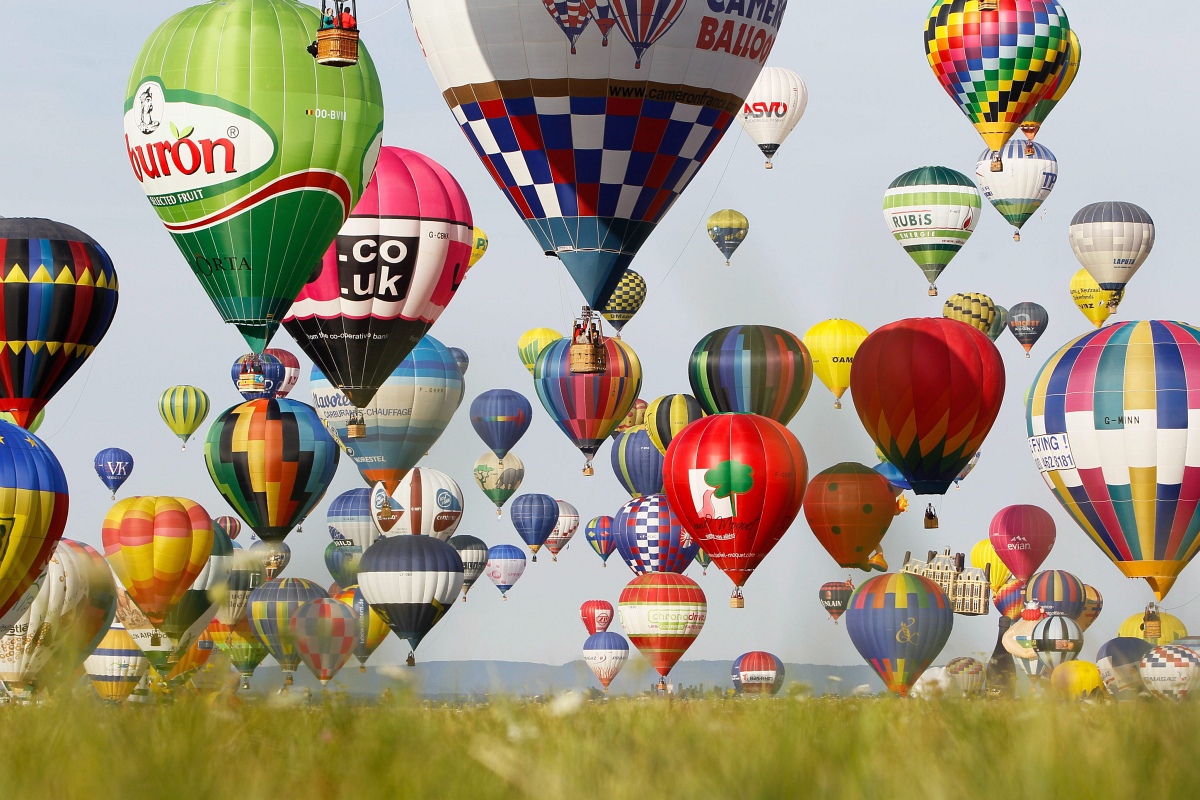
(596, 615)
(1023, 536)
(391, 272)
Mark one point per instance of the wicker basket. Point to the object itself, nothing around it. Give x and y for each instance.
(356, 430)
(588, 359)
(337, 47)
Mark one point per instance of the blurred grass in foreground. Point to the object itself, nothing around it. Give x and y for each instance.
(647, 749)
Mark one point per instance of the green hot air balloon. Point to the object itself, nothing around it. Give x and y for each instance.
(251, 153)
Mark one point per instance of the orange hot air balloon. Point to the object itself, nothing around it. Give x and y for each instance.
(157, 547)
(849, 508)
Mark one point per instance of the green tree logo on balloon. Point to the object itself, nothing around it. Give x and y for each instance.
(729, 479)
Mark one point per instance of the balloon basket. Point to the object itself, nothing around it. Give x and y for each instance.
(588, 471)
(588, 359)
(1016, 236)
(997, 164)
(988, 5)
(337, 47)
(737, 601)
(932, 290)
(554, 558)
(837, 403)
(411, 660)
(287, 679)
(1029, 148)
(770, 165)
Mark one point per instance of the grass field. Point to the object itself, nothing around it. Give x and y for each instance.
(650, 749)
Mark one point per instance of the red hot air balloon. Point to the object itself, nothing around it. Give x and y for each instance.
(849, 508)
(1023, 536)
(662, 613)
(736, 482)
(928, 390)
(390, 273)
(596, 615)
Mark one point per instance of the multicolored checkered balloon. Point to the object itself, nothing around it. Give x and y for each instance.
(325, 631)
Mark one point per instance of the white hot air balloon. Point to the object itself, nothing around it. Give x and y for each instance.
(1018, 191)
(505, 566)
(564, 529)
(474, 555)
(605, 652)
(1111, 241)
(1170, 671)
(427, 502)
(773, 108)
(116, 666)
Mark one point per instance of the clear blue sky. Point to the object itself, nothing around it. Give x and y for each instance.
(818, 248)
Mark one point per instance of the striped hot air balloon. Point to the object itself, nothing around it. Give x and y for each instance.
(533, 342)
(637, 463)
(605, 652)
(1018, 190)
(291, 370)
(974, 308)
(662, 614)
(751, 368)
(666, 416)
(597, 615)
(1009, 599)
(427, 503)
(270, 615)
(599, 535)
(244, 649)
(116, 666)
(1112, 240)
(370, 629)
(932, 212)
(184, 409)
(1057, 640)
(325, 631)
(1057, 592)
(564, 529)
(231, 525)
(349, 518)
(412, 581)
(757, 672)
(650, 538)
(341, 559)
(474, 554)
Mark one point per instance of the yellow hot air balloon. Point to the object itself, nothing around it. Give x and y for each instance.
(1077, 680)
(479, 245)
(983, 553)
(1096, 304)
(183, 408)
(728, 228)
(1170, 628)
(974, 308)
(832, 344)
(533, 342)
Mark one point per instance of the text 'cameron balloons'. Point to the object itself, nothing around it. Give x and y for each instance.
(587, 407)
(534, 94)
(662, 614)
(235, 165)
(736, 481)
(184, 409)
(650, 538)
(474, 554)
(1018, 190)
(1023, 536)
(596, 615)
(534, 516)
(404, 419)
(927, 391)
(1110, 418)
(986, 59)
(1111, 241)
(832, 345)
(272, 461)
(390, 273)
(505, 566)
(256, 376)
(59, 293)
(605, 652)
(114, 466)
(773, 108)
(637, 463)
(666, 416)
(932, 211)
(599, 535)
(500, 417)
(899, 624)
(1057, 592)
(849, 508)
(1028, 322)
(412, 581)
(751, 368)
(757, 672)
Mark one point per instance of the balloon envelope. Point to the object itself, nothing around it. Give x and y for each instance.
(650, 538)
(637, 463)
(931, 212)
(849, 509)
(662, 614)
(505, 566)
(412, 581)
(113, 466)
(270, 615)
(757, 672)
(773, 108)
(605, 652)
(751, 368)
(1023, 536)
(1112, 240)
(500, 417)
(474, 555)
(325, 630)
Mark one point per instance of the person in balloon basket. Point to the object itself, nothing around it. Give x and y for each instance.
(327, 18)
(346, 20)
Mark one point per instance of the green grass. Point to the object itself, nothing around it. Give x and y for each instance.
(647, 749)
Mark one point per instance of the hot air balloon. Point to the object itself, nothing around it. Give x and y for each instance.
(974, 308)
(270, 615)
(256, 376)
(736, 481)
(86, 625)
(1062, 82)
(1118, 660)
(246, 574)
(496, 481)
(349, 518)
(533, 342)
(966, 675)
(534, 516)
(564, 528)
(184, 409)
(250, 168)
(390, 273)
(342, 560)
(116, 666)
(650, 538)
(403, 420)
(1018, 641)
(591, 175)
(291, 370)
(1057, 640)
(1028, 322)
(727, 229)
(1093, 604)
(505, 566)
(500, 417)
(1077, 680)
(662, 614)
(984, 556)
(626, 300)
(427, 502)
(370, 629)
(999, 323)
(596, 615)
(666, 416)
(835, 596)
(479, 246)
(59, 294)
(599, 535)
(757, 672)
(1111, 241)
(1057, 592)
(272, 461)
(474, 554)
(773, 108)
(1169, 629)
(411, 581)
(637, 463)
(899, 623)
(1108, 422)
(927, 392)
(157, 546)
(33, 426)
(232, 526)
(186, 623)
(325, 632)
(931, 212)
(832, 344)
(1009, 599)
(113, 466)
(245, 650)
(461, 358)
(636, 418)
(274, 557)
(751, 368)
(1170, 671)
(605, 652)
(1095, 303)
(587, 406)
(703, 560)
(998, 90)
(1018, 190)
(1022, 536)
(849, 508)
